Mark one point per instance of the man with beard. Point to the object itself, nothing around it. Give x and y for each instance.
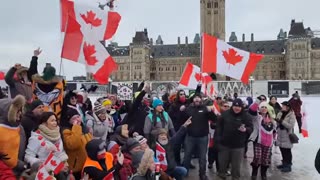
(164, 151)
(30, 120)
(179, 116)
(197, 133)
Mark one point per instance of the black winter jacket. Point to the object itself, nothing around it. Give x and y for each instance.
(200, 120)
(227, 129)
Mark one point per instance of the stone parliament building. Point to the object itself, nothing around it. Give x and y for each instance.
(292, 56)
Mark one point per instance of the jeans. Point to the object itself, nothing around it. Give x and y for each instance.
(235, 156)
(286, 156)
(202, 145)
(178, 173)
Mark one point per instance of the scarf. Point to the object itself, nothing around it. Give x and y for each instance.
(51, 135)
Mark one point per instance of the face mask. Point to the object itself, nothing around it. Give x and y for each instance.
(146, 102)
(182, 99)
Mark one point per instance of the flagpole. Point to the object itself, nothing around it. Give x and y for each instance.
(64, 31)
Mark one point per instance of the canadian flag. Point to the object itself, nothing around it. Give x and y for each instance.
(219, 57)
(86, 24)
(161, 156)
(53, 164)
(304, 127)
(192, 76)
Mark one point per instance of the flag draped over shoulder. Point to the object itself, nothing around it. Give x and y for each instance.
(86, 24)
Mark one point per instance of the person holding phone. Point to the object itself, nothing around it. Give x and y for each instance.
(232, 129)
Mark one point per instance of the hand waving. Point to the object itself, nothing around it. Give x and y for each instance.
(37, 52)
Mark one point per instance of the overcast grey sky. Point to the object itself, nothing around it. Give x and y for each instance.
(28, 24)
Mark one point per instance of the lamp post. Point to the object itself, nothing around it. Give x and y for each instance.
(251, 79)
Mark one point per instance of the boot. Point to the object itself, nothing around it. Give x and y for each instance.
(203, 177)
(286, 168)
(281, 166)
(254, 172)
(264, 172)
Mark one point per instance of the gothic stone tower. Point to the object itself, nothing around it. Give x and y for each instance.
(213, 17)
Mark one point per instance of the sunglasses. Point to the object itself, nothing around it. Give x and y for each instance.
(182, 94)
(262, 99)
(226, 106)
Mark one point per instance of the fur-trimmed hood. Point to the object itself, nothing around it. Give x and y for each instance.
(9, 109)
(38, 79)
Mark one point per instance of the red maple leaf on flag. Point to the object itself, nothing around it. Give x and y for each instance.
(90, 18)
(160, 157)
(40, 175)
(198, 76)
(88, 51)
(232, 56)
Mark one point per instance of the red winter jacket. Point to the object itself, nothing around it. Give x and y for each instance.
(296, 106)
(6, 173)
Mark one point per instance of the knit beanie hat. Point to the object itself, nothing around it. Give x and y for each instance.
(106, 102)
(34, 104)
(131, 144)
(71, 112)
(156, 102)
(263, 104)
(49, 73)
(99, 109)
(237, 102)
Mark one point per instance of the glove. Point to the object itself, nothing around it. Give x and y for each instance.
(21, 166)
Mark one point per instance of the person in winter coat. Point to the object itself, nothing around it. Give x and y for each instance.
(6, 172)
(75, 137)
(263, 139)
(165, 154)
(19, 78)
(213, 145)
(144, 163)
(70, 101)
(44, 140)
(48, 88)
(121, 135)
(112, 115)
(99, 163)
(138, 111)
(31, 119)
(276, 106)
(197, 133)
(179, 116)
(12, 139)
(98, 125)
(166, 103)
(286, 120)
(296, 103)
(157, 119)
(232, 129)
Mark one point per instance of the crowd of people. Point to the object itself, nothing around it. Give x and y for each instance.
(138, 139)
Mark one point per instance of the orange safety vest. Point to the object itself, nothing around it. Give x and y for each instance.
(91, 163)
(56, 105)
